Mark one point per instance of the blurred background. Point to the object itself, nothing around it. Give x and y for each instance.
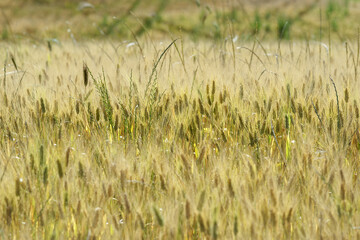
(36, 20)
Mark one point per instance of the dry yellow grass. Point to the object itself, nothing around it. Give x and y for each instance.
(224, 141)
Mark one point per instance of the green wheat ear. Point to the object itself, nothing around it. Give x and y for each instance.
(45, 176)
(346, 95)
(85, 75)
(41, 156)
(59, 168)
(42, 104)
(77, 107)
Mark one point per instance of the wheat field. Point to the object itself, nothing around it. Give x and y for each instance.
(180, 140)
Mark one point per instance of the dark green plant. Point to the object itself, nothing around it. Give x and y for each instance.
(256, 24)
(103, 92)
(284, 27)
(332, 10)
